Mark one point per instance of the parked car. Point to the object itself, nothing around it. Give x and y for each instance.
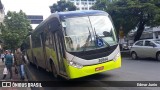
(146, 48)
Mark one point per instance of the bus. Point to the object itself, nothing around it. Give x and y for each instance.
(75, 44)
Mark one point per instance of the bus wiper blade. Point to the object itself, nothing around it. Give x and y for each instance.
(97, 36)
(89, 36)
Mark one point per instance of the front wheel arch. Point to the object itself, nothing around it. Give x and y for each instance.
(157, 54)
(53, 69)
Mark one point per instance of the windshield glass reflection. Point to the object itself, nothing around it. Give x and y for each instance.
(86, 33)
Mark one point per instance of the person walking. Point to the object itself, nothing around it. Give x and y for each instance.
(19, 62)
(2, 57)
(8, 63)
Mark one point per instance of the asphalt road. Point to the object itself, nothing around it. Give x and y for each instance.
(131, 70)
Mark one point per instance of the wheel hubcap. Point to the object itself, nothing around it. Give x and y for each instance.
(134, 56)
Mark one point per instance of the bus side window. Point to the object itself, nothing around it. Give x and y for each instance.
(53, 40)
(50, 39)
(43, 38)
(36, 40)
(47, 39)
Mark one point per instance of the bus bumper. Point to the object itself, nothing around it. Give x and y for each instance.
(89, 70)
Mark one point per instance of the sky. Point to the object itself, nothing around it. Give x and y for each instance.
(30, 7)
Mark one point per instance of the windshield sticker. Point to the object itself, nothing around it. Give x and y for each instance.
(99, 42)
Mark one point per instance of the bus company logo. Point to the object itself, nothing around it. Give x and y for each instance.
(20, 84)
(6, 84)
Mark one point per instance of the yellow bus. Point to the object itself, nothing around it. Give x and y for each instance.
(75, 44)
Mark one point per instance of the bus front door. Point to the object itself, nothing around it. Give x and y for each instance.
(60, 53)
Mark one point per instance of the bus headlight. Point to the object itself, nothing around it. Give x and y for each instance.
(76, 65)
(116, 57)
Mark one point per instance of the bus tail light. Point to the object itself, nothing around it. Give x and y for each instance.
(116, 57)
(74, 64)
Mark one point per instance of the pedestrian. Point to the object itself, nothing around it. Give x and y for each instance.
(8, 63)
(19, 62)
(2, 57)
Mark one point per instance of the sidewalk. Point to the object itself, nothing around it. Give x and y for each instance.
(15, 78)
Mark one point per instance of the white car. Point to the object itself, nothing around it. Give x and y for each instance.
(146, 48)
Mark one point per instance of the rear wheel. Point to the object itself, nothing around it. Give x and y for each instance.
(158, 56)
(134, 55)
(54, 71)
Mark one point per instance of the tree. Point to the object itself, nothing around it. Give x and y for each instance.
(14, 30)
(130, 14)
(62, 6)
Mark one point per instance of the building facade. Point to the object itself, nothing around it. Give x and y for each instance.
(148, 33)
(35, 20)
(2, 14)
(83, 4)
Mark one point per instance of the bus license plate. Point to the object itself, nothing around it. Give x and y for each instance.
(99, 68)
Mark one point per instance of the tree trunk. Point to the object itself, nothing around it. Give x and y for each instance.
(139, 31)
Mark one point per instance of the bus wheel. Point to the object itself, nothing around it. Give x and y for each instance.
(54, 72)
(36, 63)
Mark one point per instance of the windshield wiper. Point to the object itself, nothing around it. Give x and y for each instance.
(97, 36)
(86, 43)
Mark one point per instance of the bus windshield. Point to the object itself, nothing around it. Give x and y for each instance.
(88, 33)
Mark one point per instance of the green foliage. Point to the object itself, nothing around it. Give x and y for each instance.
(132, 13)
(62, 6)
(14, 30)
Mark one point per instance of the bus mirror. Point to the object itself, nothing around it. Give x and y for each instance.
(29, 33)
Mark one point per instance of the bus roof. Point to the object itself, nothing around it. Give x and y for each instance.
(62, 15)
(80, 13)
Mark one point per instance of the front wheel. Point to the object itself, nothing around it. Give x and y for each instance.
(158, 56)
(134, 55)
(54, 71)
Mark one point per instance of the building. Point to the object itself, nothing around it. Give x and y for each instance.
(151, 33)
(83, 4)
(35, 20)
(148, 33)
(2, 14)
